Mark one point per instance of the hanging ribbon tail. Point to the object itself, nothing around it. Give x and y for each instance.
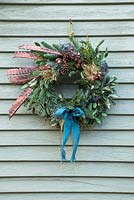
(76, 138)
(70, 124)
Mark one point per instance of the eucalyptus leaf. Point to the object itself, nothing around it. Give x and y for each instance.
(25, 86)
(36, 73)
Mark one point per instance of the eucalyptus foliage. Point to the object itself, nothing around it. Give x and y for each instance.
(94, 94)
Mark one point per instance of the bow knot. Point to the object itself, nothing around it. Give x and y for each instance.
(70, 124)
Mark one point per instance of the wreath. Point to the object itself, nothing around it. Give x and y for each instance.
(75, 62)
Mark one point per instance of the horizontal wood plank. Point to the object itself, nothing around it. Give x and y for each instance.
(66, 185)
(43, 12)
(88, 138)
(122, 107)
(61, 28)
(49, 153)
(66, 196)
(12, 91)
(47, 169)
(114, 60)
(20, 122)
(65, 2)
(122, 44)
(124, 75)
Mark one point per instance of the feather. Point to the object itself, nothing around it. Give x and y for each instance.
(37, 48)
(23, 54)
(21, 75)
(45, 67)
(20, 100)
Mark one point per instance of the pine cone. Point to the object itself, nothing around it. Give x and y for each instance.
(69, 56)
(64, 69)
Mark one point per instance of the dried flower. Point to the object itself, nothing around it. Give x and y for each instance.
(49, 75)
(91, 72)
(97, 75)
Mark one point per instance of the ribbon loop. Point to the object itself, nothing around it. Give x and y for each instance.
(70, 124)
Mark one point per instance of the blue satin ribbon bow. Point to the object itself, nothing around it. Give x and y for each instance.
(70, 123)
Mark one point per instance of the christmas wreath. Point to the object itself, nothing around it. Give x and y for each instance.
(74, 61)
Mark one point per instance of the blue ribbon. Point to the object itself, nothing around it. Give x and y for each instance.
(70, 123)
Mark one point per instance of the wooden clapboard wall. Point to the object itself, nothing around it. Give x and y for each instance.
(29, 148)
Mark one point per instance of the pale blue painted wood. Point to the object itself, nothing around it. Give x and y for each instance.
(125, 44)
(77, 12)
(122, 185)
(104, 167)
(68, 196)
(112, 138)
(65, 2)
(61, 28)
(48, 153)
(57, 169)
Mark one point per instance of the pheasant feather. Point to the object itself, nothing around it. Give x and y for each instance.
(20, 100)
(21, 75)
(37, 48)
(23, 54)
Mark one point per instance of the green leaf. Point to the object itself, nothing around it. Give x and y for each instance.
(57, 47)
(72, 73)
(100, 43)
(46, 84)
(48, 94)
(108, 79)
(114, 96)
(24, 86)
(82, 76)
(36, 73)
(37, 44)
(42, 63)
(42, 96)
(50, 56)
(112, 79)
(94, 105)
(107, 88)
(97, 48)
(60, 96)
(74, 42)
(104, 114)
(106, 53)
(108, 104)
(98, 120)
(43, 114)
(32, 83)
(46, 45)
(47, 110)
(36, 91)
